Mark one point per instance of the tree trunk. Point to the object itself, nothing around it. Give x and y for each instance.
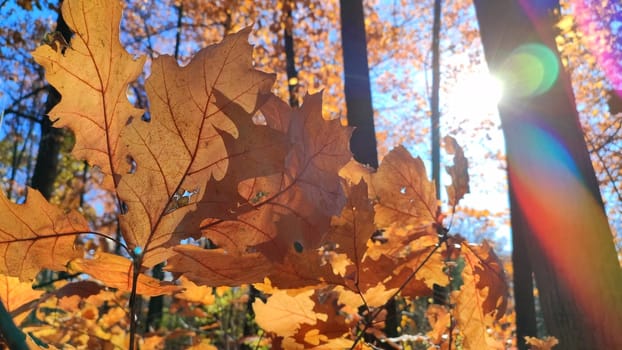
(555, 200)
(435, 98)
(46, 167)
(356, 84)
(290, 57)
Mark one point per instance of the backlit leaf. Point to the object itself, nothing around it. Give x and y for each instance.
(93, 75)
(201, 125)
(116, 271)
(283, 313)
(458, 172)
(30, 242)
(405, 195)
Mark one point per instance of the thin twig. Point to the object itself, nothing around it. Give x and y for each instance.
(410, 277)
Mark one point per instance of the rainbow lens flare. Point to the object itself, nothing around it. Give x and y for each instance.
(530, 70)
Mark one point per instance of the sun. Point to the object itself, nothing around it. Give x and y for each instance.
(474, 96)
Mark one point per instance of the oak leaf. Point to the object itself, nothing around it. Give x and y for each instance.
(283, 313)
(216, 267)
(30, 242)
(93, 75)
(194, 293)
(405, 195)
(473, 311)
(117, 271)
(15, 293)
(292, 209)
(491, 276)
(200, 132)
(458, 172)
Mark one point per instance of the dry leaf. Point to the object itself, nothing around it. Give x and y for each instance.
(405, 195)
(283, 313)
(116, 271)
(458, 172)
(93, 75)
(201, 125)
(30, 242)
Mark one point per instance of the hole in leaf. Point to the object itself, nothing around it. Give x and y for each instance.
(146, 117)
(298, 247)
(403, 190)
(132, 164)
(378, 236)
(123, 207)
(181, 198)
(257, 198)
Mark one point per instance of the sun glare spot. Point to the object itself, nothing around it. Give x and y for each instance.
(475, 96)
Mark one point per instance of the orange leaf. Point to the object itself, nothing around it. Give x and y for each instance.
(352, 229)
(547, 343)
(93, 75)
(15, 293)
(200, 132)
(470, 312)
(283, 313)
(30, 242)
(116, 271)
(491, 276)
(459, 172)
(195, 293)
(405, 195)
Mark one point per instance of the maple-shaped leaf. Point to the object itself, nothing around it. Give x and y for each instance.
(36, 235)
(116, 271)
(405, 195)
(459, 172)
(198, 144)
(92, 74)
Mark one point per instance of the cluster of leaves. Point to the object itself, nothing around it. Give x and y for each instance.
(218, 157)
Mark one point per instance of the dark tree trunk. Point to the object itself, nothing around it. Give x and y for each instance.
(557, 210)
(356, 85)
(290, 57)
(46, 168)
(435, 98)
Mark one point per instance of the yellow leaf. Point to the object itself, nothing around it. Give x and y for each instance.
(283, 314)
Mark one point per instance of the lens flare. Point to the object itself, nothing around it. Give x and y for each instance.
(530, 70)
(600, 22)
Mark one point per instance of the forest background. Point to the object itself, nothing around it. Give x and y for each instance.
(401, 95)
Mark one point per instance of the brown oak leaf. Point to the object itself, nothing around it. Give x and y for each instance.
(291, 210)
(459, 172)
(199, 143)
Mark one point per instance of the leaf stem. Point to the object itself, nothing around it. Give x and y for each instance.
(15, 339)
(137, 262)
